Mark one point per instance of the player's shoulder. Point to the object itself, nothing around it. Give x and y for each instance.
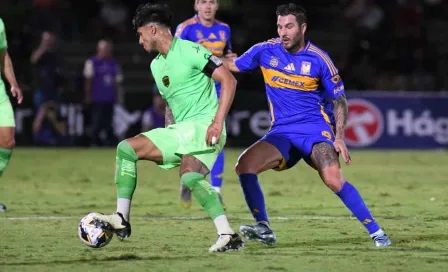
(155, 61)
(321, 56)
(2, 25)
(274, 43)
(187, 24)
(185, 45)
(222, 24)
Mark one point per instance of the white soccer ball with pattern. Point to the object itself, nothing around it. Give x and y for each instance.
(91, 235)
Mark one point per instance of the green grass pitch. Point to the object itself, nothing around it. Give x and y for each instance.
(47, 192)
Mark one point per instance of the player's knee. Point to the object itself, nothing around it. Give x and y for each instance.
(243, 167)
(190, 178)
(124, 149)
(8, 143)
(332, 177)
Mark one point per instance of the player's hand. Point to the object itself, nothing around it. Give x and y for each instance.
(17, 93)
(213, 133)
(342, 149)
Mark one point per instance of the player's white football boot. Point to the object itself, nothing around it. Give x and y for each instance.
(185, 197)
(259, 232)
(381, 240)
(2, 208)
(227, 242)
(115, 223)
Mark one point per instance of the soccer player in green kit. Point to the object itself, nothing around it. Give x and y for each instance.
(194, 134)
(7, 123)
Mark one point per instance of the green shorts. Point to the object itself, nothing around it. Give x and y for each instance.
(6, 113)
(186, 138)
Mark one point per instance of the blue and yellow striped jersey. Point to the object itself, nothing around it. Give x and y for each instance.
(215, 38)
(297, 84)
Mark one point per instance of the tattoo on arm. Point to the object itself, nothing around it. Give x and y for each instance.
(169, 118)
(340, 114)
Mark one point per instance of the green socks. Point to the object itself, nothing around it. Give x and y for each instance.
(126, 171)
(5, 156)
(204, 194)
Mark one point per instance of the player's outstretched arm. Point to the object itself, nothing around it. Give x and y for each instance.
(8, 69)
(340, 114)
(229, 63)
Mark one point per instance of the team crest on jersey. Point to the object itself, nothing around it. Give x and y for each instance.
(306, 68)
(336, 79)
(222, 35)
(166, 81)
(274, 62)
(199, 35)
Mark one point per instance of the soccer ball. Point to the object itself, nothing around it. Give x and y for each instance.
(92, 235)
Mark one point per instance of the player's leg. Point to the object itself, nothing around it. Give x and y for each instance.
(192, 175)
(269, 153)
(7, 142)
(128, 153)
(217, 172)
(326, 161)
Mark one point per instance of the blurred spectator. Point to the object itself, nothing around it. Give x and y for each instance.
(48, 128)
(154, 117)
(115, 17)
(47, 77)
(102, 83)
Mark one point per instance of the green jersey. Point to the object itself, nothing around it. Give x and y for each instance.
(179, 76)
(3, 46)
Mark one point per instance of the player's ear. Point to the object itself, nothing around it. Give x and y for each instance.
(196, 5)
(303, 28)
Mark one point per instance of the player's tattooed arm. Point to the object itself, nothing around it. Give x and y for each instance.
(169, 118)
(340, 112)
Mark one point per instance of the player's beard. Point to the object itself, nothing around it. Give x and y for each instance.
(294, 44)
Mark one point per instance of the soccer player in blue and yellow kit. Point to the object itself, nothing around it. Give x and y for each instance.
(299, 77)
(214, 35)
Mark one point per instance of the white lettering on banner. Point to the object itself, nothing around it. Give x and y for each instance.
(20, 114)
(75, 121)
(235, 121)
(422, 126)
(123, 120)
(259, 122)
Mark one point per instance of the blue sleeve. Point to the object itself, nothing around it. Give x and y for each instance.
(228, 42)
(250, 60)
(331, 81)
(182, 31)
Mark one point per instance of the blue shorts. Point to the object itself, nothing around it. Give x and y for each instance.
(296, 141)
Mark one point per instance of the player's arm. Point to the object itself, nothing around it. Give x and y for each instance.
(250, 60)
(88, 73)
(228, 88)
(334, 88)
(169, 118)
(7, 68)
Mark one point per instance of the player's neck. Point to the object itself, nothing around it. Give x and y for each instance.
(297, 48)
(206, 22)
(164, 45)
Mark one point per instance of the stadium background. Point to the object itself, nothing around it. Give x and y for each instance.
(389, 53)
(392, 56)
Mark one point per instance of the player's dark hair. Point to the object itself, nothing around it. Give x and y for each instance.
(292, 9)
(152, 13)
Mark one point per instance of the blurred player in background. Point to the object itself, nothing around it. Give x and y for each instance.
(154, 116)
(7, 122)
(299, 77)
(195, 133)
(214, 35)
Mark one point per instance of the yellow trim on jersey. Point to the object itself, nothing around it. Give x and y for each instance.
(216, 48)
(327, 60)
(271, 109)
(277, 79)
(327, 119)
